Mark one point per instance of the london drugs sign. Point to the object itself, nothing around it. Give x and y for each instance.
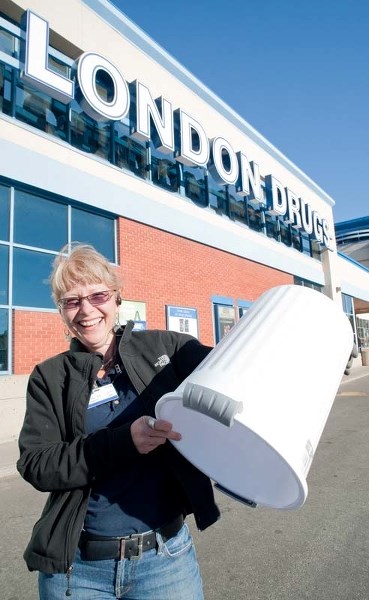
(171, 131)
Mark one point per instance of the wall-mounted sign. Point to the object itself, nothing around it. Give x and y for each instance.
(154, 119)
(130, 310)
(182, 319)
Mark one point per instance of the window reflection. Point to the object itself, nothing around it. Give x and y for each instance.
(128, 153)
(296, 240)
(39, 222)
(93, 229)
(33, 108)
(31, 278)
(238, 208)
(254, 216)
(89, 135)
(4, 212)
(272, 226)
(5, 89)
(305, 243)
(40, 111)
(315, 250)
(9, 44)
(3, 339)
(195, 184)
(4, 274)
(165, 173)
(285, 233)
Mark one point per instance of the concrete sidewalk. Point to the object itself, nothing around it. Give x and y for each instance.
(8, 457)
(9, 450)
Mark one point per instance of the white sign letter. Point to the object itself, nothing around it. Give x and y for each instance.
(36, 70)
(146, 107)
(115, 105)
(293, 209)
(249, 180)
(276, 196)
(223, 164)
(191, 141)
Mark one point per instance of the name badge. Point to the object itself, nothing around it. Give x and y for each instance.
(100, 395)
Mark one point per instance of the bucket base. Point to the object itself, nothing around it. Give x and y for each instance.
(235, 457)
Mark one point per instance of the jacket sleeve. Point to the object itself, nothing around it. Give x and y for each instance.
(51, 459)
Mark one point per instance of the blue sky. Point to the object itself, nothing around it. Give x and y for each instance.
(296, 70)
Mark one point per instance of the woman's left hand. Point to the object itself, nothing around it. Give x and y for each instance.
(149, 433)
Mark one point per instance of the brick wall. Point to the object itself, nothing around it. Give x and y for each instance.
(36, 335)
(158, 268)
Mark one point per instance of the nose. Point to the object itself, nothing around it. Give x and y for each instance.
(85, 306)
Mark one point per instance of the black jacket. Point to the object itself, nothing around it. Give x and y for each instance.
(58, 457)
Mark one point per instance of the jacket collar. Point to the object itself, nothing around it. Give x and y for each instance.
(123, 334)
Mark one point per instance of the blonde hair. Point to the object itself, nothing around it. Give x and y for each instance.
(83, 265)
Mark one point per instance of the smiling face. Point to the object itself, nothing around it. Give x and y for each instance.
(92, 325)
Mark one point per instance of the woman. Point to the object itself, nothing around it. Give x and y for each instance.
(113, 525)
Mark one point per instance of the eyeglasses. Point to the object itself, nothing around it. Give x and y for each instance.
(95, 299)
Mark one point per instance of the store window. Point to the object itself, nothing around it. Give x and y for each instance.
(94, 229)
(164, 170)
(285, 233)
(40, 226)
(39, 222)
(89, 135)
(195, 184)
(31, 278)
(362, 326)
(4, 212)
(272, 226)
(349, 310)
(243, 307)
(4, 274)
(305, 244)
(6, 89)
(4, 345)
(296, 239)
(129, 153)
(218, 197)
(254, 216)
(224, 316)
(237, 205)
(306, 283)
(9, 40)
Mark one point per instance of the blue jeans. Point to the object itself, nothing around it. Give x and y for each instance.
(169, 572)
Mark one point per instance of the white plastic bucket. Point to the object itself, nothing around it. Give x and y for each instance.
(252, 413)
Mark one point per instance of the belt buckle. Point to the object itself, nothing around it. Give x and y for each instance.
(139, 539)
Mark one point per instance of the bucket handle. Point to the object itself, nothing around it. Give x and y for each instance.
(210, 403)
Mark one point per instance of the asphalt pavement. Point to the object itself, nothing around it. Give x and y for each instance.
(317, 552)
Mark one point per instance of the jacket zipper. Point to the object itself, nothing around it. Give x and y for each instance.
(68, 591)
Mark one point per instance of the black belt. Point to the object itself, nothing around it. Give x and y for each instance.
(97, 547)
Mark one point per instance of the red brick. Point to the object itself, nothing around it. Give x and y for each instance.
(158, 268)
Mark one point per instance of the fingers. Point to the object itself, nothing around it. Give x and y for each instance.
(149, 433)
(161, 427)
(151, 422)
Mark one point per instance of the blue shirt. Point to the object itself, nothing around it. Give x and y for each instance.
(143, 495)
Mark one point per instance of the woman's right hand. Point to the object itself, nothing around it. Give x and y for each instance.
(149, 433)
